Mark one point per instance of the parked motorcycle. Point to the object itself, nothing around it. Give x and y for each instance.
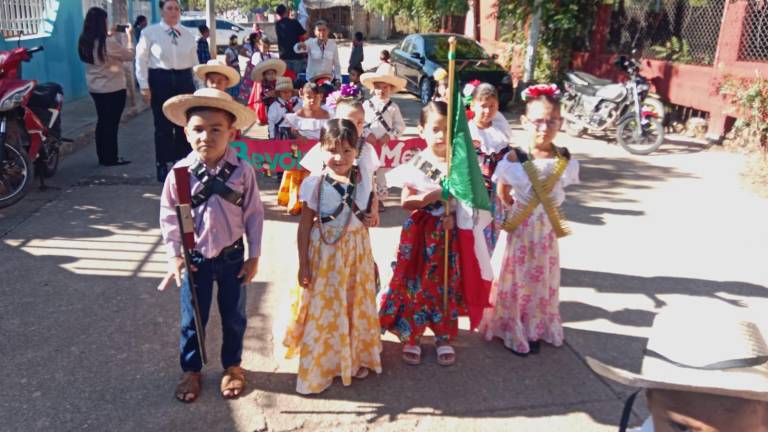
(594, 104)
(30, 127)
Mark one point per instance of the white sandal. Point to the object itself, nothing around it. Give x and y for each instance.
(362, 373)
(414, 350)
(445, 350)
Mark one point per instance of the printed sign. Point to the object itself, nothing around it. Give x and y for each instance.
(282, 155)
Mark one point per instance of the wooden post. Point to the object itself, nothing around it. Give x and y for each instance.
(210, 14)
(448, 154)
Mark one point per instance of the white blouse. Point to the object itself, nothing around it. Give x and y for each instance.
(307, 127)
(331, 199)
(513, 174)
(493, 138)
(156, 50)
(322, 60)
(407, 175)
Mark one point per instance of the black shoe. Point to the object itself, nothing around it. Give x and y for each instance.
(119, 161)
(534, 346)
(162, 172)
(519, 354)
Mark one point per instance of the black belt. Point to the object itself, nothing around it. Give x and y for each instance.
(238, 245)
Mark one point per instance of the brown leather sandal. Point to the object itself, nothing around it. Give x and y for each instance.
(233, 381)
(189, 385)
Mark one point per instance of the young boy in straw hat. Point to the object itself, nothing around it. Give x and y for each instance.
(216, 74)
(384, 122)
(284, 103)
(264, 78)
(226, 207)
(703, 370)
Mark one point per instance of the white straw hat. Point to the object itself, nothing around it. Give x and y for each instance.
(175, 108)
(715, 353)
(259, 68)
(215, 66)
(386, 74)
(283, 83)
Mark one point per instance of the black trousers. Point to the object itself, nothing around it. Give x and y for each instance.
(109, 110)
(170, 142)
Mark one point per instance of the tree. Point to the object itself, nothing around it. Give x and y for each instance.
(226, 5)
(426, 14)
(563, 23)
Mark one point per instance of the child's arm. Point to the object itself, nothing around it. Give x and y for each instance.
(398, 124)
(169, 227)
(302, 239)
(336, 64)
(503, 191)
(411, 199)
(253, 221)
(372, 219)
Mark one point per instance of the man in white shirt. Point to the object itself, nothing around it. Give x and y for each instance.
(165, 56)
(322, 53)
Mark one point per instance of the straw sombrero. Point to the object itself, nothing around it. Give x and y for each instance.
(323, 78)
(716, 353)
(175, 108)
(259, 68)
(215, 66)
(283, 83)
(385, 73)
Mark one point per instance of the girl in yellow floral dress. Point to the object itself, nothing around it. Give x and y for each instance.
(335, 325)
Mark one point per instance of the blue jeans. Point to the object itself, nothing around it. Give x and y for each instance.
(231, 299)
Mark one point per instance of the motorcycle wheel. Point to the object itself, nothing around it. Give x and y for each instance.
(16, 174)
(572, 129)
(655, 106)
(51, 162)
(642, 139)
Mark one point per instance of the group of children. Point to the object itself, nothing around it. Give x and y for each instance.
(336, 324)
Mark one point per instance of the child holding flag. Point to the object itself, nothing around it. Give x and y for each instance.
(417, 298)
(525, 292)
(334, 326)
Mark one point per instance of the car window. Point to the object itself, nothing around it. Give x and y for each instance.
(418, 45)
(437, 48)
(224, 25)
(192, 23)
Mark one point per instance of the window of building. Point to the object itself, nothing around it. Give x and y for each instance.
(19, 18)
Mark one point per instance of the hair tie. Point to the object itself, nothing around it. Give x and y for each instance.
(551, 91)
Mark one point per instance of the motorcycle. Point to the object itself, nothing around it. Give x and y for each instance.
(595, 104)
(30, 127)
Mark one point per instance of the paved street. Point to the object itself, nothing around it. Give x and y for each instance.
(88, 343)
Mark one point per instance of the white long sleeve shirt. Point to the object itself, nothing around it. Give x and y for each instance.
(322, 60)
(157, 50)
(391, 115)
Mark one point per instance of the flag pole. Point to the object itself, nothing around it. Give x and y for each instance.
(448, 154)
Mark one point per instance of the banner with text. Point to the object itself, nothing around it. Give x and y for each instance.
(282, 155)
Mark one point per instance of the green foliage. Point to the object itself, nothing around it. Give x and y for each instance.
(424, 14)
(562, 24)
(675, 50)
(750, 97)
(225, 5)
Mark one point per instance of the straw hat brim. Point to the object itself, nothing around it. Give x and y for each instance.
(369, 78)
(743, 383)
(175, 109)
(230, 73)
(257, 74)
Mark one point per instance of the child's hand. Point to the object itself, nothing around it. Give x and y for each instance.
(371, 220)
(176, 264)
(249, 270)
(384, 141)
(305, 276)
(370, 139)
(476, 143)
(448, 221)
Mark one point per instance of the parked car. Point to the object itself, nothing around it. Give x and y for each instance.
(224, 29)
(418, 56)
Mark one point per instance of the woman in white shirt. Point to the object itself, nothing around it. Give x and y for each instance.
(165, 56)
(103, 56)
(322, 53)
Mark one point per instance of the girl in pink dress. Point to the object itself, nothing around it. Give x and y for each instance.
(527, 263)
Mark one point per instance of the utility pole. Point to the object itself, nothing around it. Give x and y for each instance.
(210, 14)
(533, 42)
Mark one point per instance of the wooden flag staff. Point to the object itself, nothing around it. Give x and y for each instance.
(448, 154)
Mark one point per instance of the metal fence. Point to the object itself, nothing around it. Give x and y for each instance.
(684, 31)
(754, 38)
(21, 17)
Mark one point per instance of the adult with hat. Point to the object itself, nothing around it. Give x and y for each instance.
(322, 53)
(165, 56)
(701, 371)
(227, 215)
(216, 74)
(264, 76)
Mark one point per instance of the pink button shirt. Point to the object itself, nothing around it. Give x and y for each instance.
(218, 223)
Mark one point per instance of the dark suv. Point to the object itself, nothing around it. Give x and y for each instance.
(418, 56)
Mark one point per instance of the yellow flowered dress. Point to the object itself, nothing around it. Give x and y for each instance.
(334, 325)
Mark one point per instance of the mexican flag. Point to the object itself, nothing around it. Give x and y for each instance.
(465, 184)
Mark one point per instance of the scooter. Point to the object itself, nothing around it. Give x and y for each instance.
(594, 104)
(30, 127)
